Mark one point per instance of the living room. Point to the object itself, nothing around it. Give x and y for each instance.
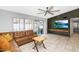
(22, 24)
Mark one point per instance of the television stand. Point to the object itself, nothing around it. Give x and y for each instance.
(59, 31)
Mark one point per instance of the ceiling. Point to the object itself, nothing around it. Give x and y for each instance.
(33, 10)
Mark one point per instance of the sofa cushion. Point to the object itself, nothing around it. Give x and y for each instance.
(27, 33)
(22, 38)
(4, 43)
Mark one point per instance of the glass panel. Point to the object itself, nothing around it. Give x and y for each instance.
(17, 27)
(27, 26)
(21, 24)
(14, 27)
(15, 24)
(27, 21)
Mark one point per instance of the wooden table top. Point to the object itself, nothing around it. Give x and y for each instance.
(39, 38)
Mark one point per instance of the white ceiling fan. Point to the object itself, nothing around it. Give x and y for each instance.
(48, 10)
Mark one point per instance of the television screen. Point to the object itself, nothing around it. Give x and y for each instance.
(60, 24)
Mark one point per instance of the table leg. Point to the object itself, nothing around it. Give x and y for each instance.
(35, 46)
(43, 45)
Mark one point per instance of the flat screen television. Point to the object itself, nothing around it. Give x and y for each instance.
(60, 24)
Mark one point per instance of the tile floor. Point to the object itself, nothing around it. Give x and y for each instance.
(55, 43)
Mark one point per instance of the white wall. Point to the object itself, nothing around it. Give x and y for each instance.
(45, 26)
(6, 19)
(71, 26)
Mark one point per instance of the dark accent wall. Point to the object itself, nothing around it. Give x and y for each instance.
(68, 15)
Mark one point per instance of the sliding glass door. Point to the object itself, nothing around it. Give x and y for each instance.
(39, 26)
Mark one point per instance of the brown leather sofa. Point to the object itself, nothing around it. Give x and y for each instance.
(23, 37)
(20, 38)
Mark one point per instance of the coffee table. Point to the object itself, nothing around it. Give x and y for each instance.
(39, 40)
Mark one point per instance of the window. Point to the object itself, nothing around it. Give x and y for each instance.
(21, 24)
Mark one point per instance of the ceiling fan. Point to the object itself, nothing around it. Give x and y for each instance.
(48, 10)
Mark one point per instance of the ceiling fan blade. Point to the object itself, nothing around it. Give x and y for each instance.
(50, 8)
(47, 8)
(41, 10)
(50, 13)
(45, 14)
(39, 13)
(55, 11)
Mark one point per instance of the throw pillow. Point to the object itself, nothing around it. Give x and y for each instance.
(8, 37)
